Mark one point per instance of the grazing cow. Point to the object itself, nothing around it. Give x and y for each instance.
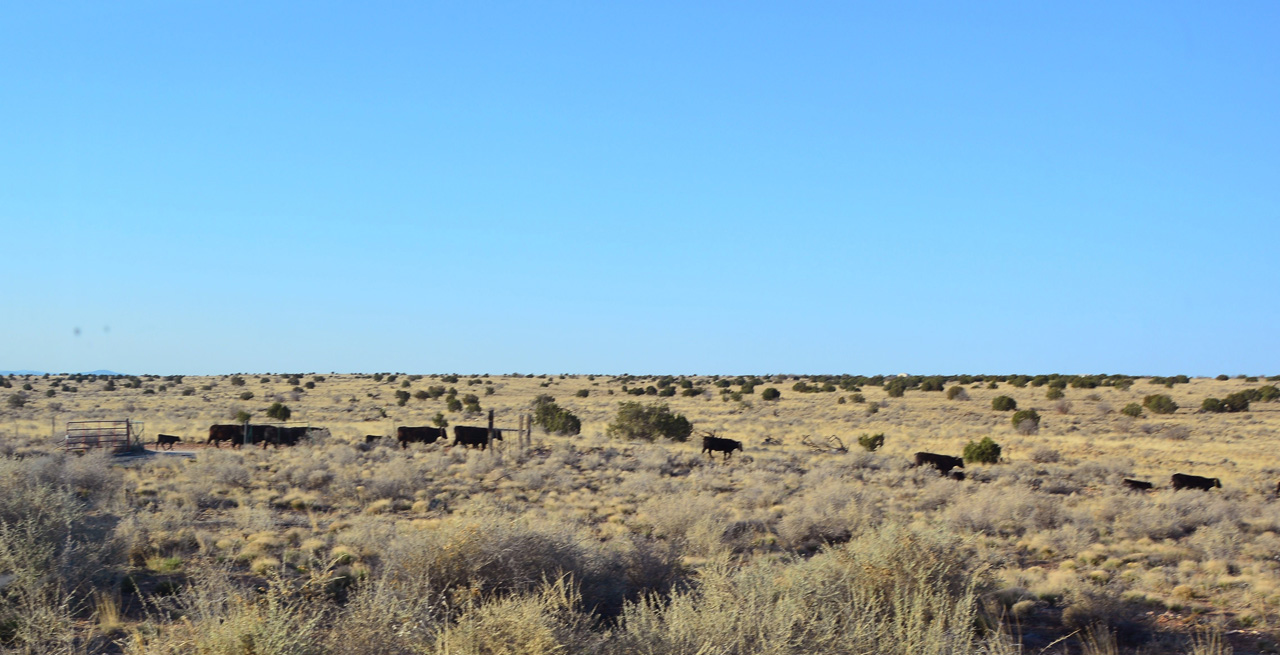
(944, 463)
(1183, 481)
(719, 445)
(166, 441)
(407, 435)
(370, 438)
(1137, 485)
(472, 436)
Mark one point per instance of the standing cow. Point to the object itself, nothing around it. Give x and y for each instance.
(719, 445)
(1184, 481)
(944, 463)
(166, 441)
(221, 433)
(473, 436)
(1137, 485)
(407, 435)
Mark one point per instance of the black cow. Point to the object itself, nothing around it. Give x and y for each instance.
(719, 445)
(370, 438)
(944, 463)
(282, 436)
(407, 435)
(472, 436)
(221, 433)
(166, 441)
(235, 434)
(1137, 485)
(1184, 481)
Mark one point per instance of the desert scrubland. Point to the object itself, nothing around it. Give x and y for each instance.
(595, 543)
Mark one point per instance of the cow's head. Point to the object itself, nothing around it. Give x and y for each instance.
(1216, 483)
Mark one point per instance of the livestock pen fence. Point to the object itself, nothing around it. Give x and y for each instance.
(117, 435)
(523, 432)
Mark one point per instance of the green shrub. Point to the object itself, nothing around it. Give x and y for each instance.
(237, 381)
(1160, 404)
(1132, 409)
(402, 397)
(1222, 378)
(857, 398)
(1026, 421)
(242, 416)
(439, 420)
(871, 442)
(1003, 404)
(896, 388)
(1054, 393)
(279, 411)
(583, 393)
(648, 422)
(453, 404)
(770, 394)
(1236, 402)
(248, 395)
(985, 451)
(957, 393)
(1266, 394)
(554, 418)
(17, 400)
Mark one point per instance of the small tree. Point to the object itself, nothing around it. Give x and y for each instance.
(1237, 402)
(402, 397)
(648, 422)
(770, 394)
(1160, 404)
(554, 418)
(279, 412)
(1132, 409)
(17, 400)
(984, 452)
(439, 420)
(242, 416)
(957, 393)
(1003, 404)
(237, 381)
(1213, 405)
(871, 442)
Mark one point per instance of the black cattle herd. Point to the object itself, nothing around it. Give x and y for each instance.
(479, 437)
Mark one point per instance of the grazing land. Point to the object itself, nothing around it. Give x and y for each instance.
(820, 535)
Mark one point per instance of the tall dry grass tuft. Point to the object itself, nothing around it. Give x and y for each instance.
(896, 590)
(218, 616)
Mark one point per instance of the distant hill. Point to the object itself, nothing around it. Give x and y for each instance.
(97, 372)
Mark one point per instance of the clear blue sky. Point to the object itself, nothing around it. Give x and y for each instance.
(208, 187)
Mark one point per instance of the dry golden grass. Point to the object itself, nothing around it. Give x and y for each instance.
(476, 544)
